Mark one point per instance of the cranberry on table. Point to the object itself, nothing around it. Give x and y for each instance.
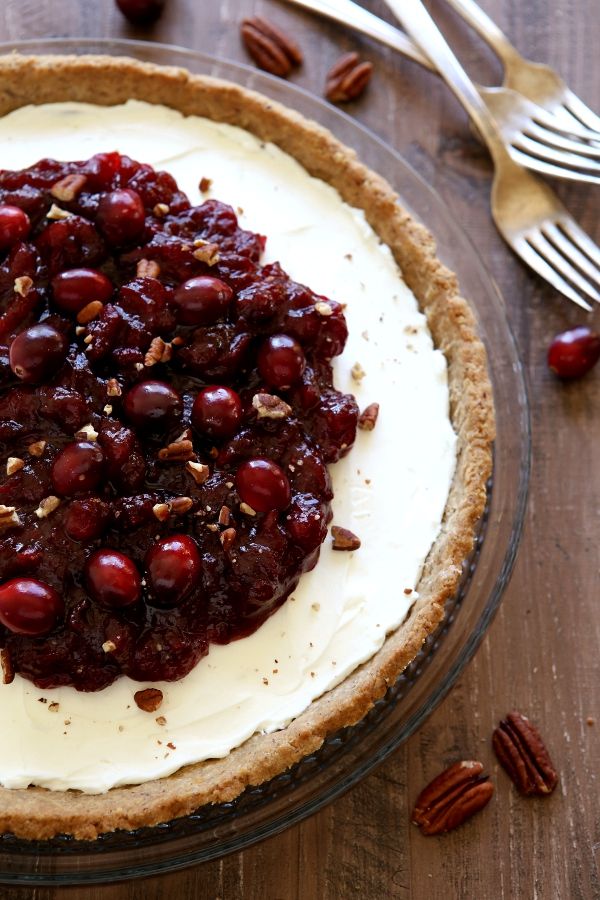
(38, 352)
(573, 353)
(141, 12)
(263, 485)
(281, 361)
(75, 288)
(113, 579)
(201, 300)
(29, 606)
(173, 565)
(121, 216)
(14, 225)
(217, 412)
(153, 405)
(78, 468)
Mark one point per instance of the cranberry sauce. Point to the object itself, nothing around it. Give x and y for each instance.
(166, 416)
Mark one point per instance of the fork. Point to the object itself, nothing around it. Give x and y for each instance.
(527, 213)
(551, 151)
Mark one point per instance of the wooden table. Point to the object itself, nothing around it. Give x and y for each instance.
(541, 653)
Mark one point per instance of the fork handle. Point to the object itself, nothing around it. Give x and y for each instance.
(422, 29)
(487, 29)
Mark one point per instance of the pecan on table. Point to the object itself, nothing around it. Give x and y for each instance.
(522, 753)
(348, 78)
(453, 797)
(270, 48)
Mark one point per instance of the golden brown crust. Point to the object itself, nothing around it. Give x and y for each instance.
(38, 813)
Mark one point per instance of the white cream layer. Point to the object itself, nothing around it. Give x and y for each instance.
(390, 490)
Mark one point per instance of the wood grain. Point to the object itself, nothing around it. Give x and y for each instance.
(541, 653)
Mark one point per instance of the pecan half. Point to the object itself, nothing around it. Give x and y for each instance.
(453, 797)
(348, 78)
(178, 451)
(148, 699)
(270, 48)
(159, 351)
(67, 188)
(344, 539)
(368, 417)
(522, 752)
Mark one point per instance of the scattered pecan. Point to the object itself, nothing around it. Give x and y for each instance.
(159, 351)
(109, 646)
(206, 252)
(37, 448)
(8, 673)
(357, 372)
(14, 464)
(149, 699)
(348, 78)
(148, 268)
(67, 188)
(90, 312)
(113, 388)
(522, 752)
(453, 797)
(198, 471)
(205, 185)
(344, 539)
(181, 505)
(56, 213)
(268, 406)
(160, 210)
(368, 417)
(22, 285)
(270, 48)
(178, 451)
(87, 433)
(162, 511)
(227, 538)
(9, 517)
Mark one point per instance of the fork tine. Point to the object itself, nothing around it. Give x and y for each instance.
(564, 122)
(539, 265)
(569, 248)
(560, 263)
(579, 237)
(585, 148)
(581, 112)
(560, 157)
(547, 168)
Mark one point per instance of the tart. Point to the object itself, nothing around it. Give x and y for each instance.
(36, 812)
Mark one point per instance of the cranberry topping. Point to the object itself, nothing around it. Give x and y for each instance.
(573, 353)
(29, 607)
(263, 485)
(37, 352)
(217, 412)
(202, 300)
(112, 579)
(75, 288)
(14, 225)
(173, 565)
(157, 499)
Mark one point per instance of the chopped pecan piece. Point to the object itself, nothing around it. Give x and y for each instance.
(68, 188)
(162, 511)
(270, 48)
(8, 673)
(224, 515)
(9, 517)
(178, 451)
(453, 797)
(198, 471)
(159, 351)
(323, 308)
(344, 539)
(149, 699)
(22, 285)
(348, 78)
(37, 448)
(90, 312)
(87, 433)
(522, 753)
(368, 417)
(247, 509)
(181, 505)
(148, 268)
(56, 213)
(268, 406)
(113, 388)
(14, 464)
(206, 252)
(161, 209)
(47, 506)
(227, 538)
(357, 372)
(205, 185)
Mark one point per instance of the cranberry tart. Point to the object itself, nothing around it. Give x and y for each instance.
(189, 341)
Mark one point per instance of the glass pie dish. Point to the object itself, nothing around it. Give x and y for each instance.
(348, 755)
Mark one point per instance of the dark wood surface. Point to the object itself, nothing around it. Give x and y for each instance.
(541, 653)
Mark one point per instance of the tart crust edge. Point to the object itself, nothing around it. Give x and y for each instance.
(37, 813)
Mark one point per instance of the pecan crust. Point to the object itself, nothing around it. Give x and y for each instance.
(522, 753)
(452, 797)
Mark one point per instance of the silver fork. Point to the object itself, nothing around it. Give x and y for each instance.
(553, 151)
(527, 213)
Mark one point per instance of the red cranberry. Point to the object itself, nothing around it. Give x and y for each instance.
(153, 405)
(217, 411)
(121, 216)
(263, 485)
(141, 12)
(281, 361)
(75, 288)
(173, 566)
(112, 579)
(86, 519)
(573, 353)
(77, 468)
(28, 606)
(14, 226)
(202, 300)
(37, 352)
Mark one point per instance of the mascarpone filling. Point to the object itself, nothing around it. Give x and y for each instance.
(390, 490)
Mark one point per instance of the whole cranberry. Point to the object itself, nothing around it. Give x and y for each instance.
(121, 216)
(173, 565)
(86, 519)
(28, 606)
(14, 225)
(141, 12)
(112, 579)
(281, 361)
(217, 412)
(201, 300)
(153, 405)
(78, 468)
(263, 485)
(75, 288)
(37, 353)
(573, 353)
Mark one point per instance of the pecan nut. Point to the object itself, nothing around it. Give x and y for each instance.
(344, 539)
(149, 699)
(270, 48)
(522, 753)
(348, 78)
(453, 797)
(368, 417)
